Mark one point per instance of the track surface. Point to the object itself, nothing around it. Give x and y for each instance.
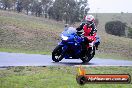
(20, 59)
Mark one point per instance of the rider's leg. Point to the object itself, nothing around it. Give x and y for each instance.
(84, 44)
(97, 44)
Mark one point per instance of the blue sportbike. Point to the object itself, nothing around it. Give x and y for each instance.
(70, 47)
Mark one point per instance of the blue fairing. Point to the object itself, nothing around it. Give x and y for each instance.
(71, 43)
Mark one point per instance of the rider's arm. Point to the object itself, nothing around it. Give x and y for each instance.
(94, 30)
(80, 27)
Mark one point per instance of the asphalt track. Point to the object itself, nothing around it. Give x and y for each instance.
(20, 59)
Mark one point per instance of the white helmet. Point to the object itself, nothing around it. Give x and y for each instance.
(89, 18)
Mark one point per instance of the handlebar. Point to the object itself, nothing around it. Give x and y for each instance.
(80, 33)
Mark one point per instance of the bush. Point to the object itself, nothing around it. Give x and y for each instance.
(130, 32)
(115, 28)
(19, 69)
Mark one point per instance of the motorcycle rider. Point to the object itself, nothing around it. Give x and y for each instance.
(89, 28)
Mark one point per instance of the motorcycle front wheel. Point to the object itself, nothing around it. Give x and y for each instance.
(88, 55)
(56, 54)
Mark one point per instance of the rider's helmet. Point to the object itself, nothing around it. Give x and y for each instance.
(90, 18)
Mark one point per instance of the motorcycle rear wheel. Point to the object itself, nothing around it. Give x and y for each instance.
(56, 54)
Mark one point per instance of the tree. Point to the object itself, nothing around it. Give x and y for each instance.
(27, 5)
(83, 8)
(50, 13)
(46, 4)
(6, 4)
(68, 10)
(19, 6)
(115, 28)
(58, 9)
(36, 8)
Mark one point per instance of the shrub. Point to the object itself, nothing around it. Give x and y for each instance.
(115, 28)
(130, 32)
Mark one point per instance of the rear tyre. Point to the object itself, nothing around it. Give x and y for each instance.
(56, 54)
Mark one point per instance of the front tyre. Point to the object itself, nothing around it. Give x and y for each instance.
(89, 55)
(57, 54)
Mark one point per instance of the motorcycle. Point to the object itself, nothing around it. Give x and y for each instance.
(70, 47)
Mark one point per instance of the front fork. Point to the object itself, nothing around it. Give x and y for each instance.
(91, 45)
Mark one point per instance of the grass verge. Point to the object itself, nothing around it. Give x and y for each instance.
(55, 77)
(112, 56)
(24, 51)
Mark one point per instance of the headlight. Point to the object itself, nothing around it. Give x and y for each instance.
(64, 37)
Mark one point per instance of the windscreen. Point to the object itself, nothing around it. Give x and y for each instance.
(69, 31)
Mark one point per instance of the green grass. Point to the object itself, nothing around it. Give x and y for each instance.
(112, 56)
(24, 51)
(27, 35)
(55, 77)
